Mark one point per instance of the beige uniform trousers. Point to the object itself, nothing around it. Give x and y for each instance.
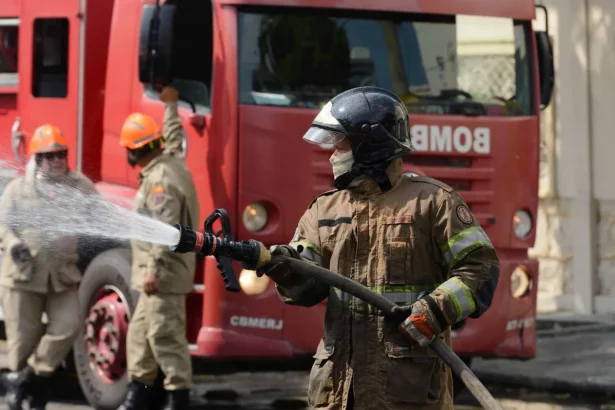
(28, 340)
(157, 337)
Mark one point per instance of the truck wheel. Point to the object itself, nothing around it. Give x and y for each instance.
(99, 352)
(458, 386)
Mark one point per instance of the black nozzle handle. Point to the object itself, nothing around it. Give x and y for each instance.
(225, 221)
(228, 274)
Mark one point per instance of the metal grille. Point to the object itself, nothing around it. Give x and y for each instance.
(488, 75)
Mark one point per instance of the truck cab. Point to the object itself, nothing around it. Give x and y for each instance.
(252, 74)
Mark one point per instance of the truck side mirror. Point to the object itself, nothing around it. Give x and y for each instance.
(546, 69)
(156, 45)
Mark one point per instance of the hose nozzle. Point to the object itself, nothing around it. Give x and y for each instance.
(222, 245)
(251, 253)
(189, 240)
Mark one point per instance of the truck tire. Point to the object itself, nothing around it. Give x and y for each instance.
(107, 303)
(458, 386)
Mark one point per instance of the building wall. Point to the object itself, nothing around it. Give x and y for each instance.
(576, 221)
(602, 53)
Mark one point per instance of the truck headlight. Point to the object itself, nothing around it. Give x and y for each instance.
(251, 284)
(255, 217)
(522, 223)
(520, 282)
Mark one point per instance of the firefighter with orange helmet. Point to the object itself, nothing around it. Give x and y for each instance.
(156, 333)
(39, 275)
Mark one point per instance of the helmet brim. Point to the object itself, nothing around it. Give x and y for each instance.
(321, 136)
(141, 142)
(50, 149)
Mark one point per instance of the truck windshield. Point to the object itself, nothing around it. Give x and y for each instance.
(466, 65)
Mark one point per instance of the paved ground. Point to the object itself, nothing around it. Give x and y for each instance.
(580, 362)
(574, 369)
(285, 391)
(507, 404)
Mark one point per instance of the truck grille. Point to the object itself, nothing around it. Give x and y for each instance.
(464, 174)
(471, 179)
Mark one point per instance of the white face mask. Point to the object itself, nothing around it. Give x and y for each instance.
(341, 163)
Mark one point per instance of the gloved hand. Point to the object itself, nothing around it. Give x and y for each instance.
(151, 285)
(280, 269)
(421, 325)
(169, 94)
(21, 253)
(23, 258)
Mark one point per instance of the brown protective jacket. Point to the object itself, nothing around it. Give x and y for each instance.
(418, 236)
(166, 193)
(31, 203)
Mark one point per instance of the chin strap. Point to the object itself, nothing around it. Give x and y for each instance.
(378, 173)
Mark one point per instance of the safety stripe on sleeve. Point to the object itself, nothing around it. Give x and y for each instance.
(461, 296)
(309, 252)
(460, 245)
(306, 245)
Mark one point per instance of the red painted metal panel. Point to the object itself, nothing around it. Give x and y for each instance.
(517, 9)
(59, 111)
(10, 8)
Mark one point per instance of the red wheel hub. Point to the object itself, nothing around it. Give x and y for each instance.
(105, 336)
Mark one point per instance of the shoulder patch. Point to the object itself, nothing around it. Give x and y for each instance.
(464, 214)
(157, 194)
(327, 193)
(432, 181)
(156, 190)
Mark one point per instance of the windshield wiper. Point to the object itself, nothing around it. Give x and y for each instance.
(450, 93)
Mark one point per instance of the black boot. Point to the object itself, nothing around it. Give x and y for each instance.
(38, 390)
(15, 392)
(136, 398)
(16, 386)
(178, 400)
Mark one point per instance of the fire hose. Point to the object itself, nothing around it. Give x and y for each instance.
(253, 254)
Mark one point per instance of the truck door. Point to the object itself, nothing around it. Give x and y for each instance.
(9, 80)
(49, 64)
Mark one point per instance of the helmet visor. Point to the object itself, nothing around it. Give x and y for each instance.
(321, 136)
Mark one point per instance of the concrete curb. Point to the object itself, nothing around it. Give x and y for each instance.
(570, 330)
(582, 387)
(571, 359)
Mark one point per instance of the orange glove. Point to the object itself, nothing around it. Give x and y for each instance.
(421, 325)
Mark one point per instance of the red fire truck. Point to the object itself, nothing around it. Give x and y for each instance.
(252, 74)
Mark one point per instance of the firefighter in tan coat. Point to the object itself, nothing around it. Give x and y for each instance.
(410, 238)
(39, 272)
(157, 329)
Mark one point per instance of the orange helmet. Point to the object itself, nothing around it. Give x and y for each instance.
(47, 138)
(139, 130)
